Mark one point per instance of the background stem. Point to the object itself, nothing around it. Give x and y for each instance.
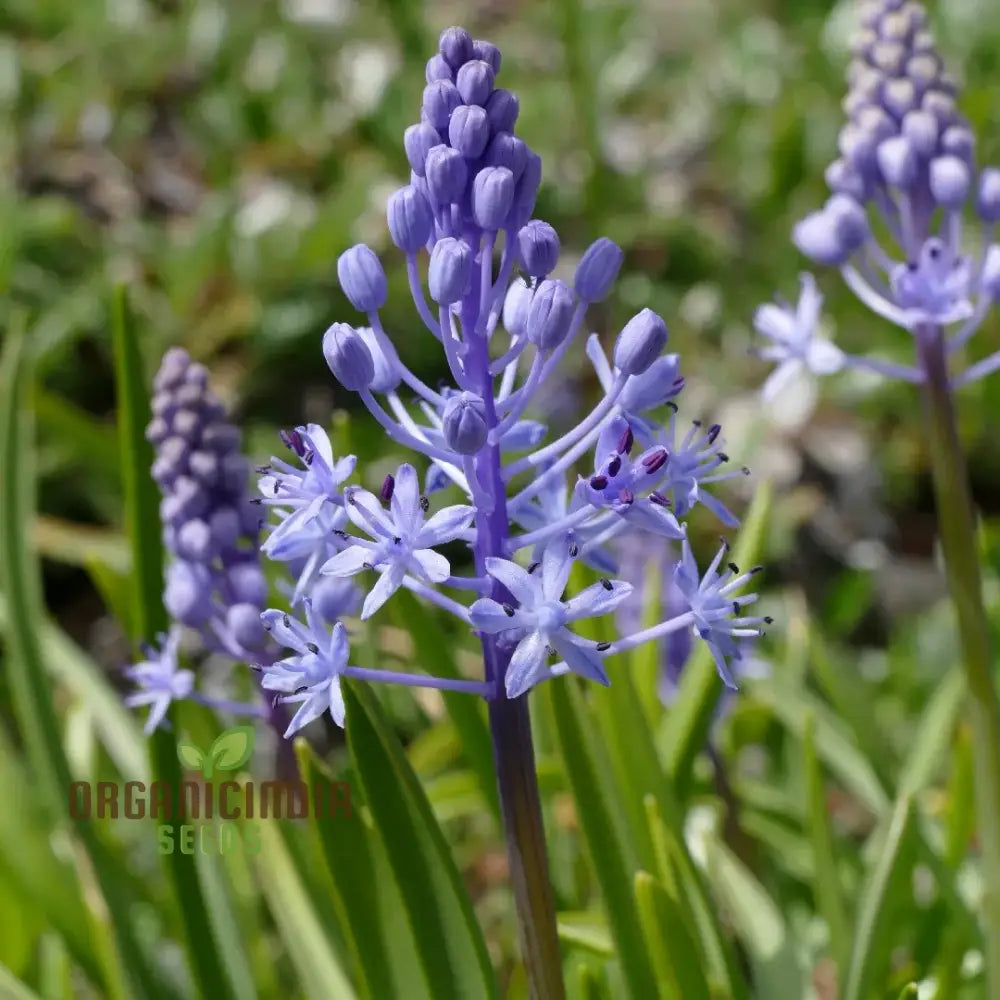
(957, 525)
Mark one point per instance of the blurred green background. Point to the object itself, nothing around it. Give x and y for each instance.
(217, 157)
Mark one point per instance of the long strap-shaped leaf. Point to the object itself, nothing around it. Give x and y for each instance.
(449, 941)
(26, 668)
(589, 777)
(148, 617)
(885, 882)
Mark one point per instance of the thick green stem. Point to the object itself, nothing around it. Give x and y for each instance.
(525, 834)
(957, 525)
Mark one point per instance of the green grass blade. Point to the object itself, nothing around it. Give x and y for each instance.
(886, 881)
(142, 503)
(588, 773)
(319, 969)
(29, 675)
(758, 921)
(12, 988)
(829, 898)
(449, 941)
(348, 845)
(669, 942)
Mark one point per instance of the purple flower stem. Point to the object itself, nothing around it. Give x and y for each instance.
(957, 528)
(419, 680)
(510, 723)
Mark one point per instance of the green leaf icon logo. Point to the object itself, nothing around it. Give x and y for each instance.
(190, 756)
(231, 750)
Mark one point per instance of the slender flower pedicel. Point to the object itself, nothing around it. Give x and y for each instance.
(907, 168)
(532, 504)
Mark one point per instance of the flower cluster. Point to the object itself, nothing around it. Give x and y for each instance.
(214, 583)
(907, 168)
(483, 279)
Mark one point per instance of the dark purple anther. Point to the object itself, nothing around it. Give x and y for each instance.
(713, 432)
(614, 466)
(655, 461)
(292, 440)
(626, 496)
(599, 482)
(626, 441)
(659, 499)
(388, 485)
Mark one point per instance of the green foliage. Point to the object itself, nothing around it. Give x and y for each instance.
(813, 836)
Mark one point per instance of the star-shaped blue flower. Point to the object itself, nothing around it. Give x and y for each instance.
(716, 609)
(538, 623)
(795, 343)
(312, 676)
(400, 542)
(618, 479)
(159, 679)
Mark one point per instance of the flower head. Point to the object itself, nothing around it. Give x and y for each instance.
(310, 677)
(400, 541)
(159, 679)
(538, 622)
(795, 342)
(716, 609)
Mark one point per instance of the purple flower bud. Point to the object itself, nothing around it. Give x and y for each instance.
(921, 129)
(437, 69)
(194, 542)
(990, 278)
(246, 583)
(640, 343)
(464, 423)
(506, 150)
(456, 46)
(188, 593)
(597, 270)
(205, 466)
(475, 82)
(157, 430)
(469, 129)
(899, 96)
(515, 309)
(220, 437)
(897, 161)
(440, 99)
(538, 248)
(959, 141)
(843, 179)
(550, 314)
(348, 357)
(492, 196)
(334, 597)
(488, 53)
(243, 623)
(225, 525)
(446, 175)
(526, 191)
(361, 277)
(950, 181)
(418, 141)
(410, 219)
(384, 358)
(450, 270)
(988, 199)
(502, 110)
